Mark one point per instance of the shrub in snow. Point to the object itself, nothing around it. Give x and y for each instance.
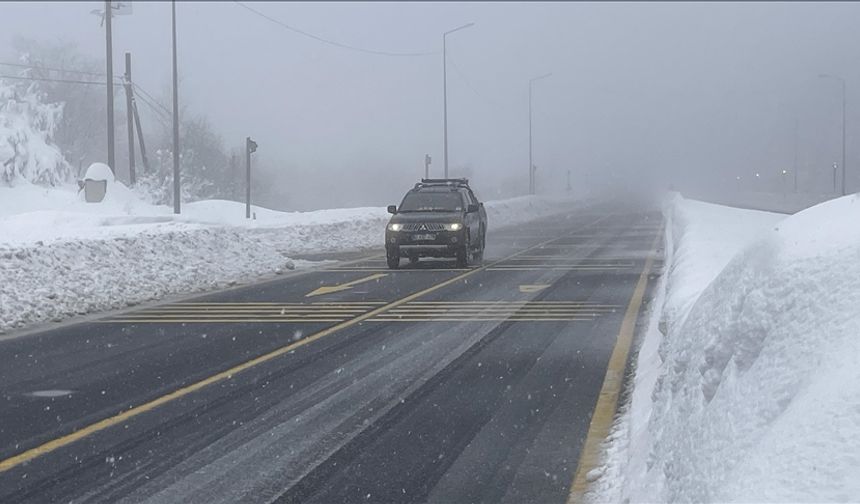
(27, 125)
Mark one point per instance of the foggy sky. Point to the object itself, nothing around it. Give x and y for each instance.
(705, 91)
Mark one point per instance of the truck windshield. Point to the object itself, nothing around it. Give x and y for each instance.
(432, 202)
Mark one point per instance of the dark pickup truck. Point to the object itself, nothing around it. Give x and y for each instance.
(437, 218)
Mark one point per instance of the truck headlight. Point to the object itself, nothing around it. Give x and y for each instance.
(453, 227)
(395, 227)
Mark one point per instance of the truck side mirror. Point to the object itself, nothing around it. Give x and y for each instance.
(472, 208)
(392, 209)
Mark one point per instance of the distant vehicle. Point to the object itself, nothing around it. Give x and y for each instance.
(437, 218)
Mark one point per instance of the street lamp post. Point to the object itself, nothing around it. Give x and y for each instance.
(784, 190)
(531, 156)
(834, 178)
(176, 151)
(445, 93)
(842, 81)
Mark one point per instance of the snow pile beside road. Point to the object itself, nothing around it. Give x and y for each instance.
(756, 395)
(60, 256)
(63, 279)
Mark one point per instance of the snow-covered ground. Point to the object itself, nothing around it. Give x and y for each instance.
(60, 256)
(747, 387)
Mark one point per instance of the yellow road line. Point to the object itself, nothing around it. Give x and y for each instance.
(281, 303)
(500, 310)
(238, 315)
(251, 312)
(565, 269)
(479, 319)
(101, 425)
(401, 270)
(607, 402)
(219, 321)
(511, 303)
(504, 309)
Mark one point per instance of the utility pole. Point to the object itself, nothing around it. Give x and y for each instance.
(568, 181)
(109, 61)
(531, 158)
(445, 93)
(427, 165)
(140, 136)
(176, 150)
(250, 147)
(129, 119)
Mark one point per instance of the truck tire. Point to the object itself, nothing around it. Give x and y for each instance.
(392, 257)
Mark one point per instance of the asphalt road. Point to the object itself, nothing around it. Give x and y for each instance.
(352, 383)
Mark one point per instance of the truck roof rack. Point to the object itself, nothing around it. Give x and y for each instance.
(454, 182)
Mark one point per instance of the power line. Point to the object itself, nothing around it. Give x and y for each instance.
(152, 102)
(67, 81)
(331, 42)
(164, 123)
(52, 69)
(154, 99)
(160, 115)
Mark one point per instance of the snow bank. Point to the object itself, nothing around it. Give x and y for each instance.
(60, 256)
(753, 395)
(774, 202)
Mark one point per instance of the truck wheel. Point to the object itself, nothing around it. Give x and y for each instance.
(392, 257)
(463, 252)
(478, 255)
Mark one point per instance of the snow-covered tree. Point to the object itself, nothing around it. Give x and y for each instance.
(27, 126)
(82, 130)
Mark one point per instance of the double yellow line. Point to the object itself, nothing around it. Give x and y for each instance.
(227, 374)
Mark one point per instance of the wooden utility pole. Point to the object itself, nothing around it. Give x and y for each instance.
(132, 177)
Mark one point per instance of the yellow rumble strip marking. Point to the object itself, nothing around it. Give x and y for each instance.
(607, 402)
(514, 311)
(227, 374)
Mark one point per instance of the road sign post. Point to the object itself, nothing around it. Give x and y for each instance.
(427, 160)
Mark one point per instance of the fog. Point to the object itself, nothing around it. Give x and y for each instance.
(694, 95)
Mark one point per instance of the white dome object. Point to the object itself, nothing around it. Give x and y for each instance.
(99, 171)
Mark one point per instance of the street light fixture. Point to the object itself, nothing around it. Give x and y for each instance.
(445, 92)
(531, 161)
(842, 81)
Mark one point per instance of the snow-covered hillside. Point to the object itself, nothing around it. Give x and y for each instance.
(60, 256)
(752, 393)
